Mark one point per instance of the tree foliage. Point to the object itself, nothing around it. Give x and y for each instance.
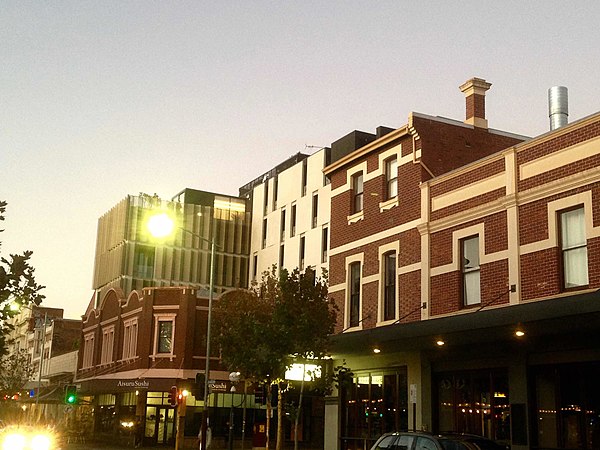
(261, 330)
(17, 286)
(15, 371)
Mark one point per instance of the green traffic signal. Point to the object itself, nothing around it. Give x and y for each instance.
(70, 394)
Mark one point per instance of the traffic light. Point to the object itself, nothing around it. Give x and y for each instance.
(173, 396)
(70, 394)
(198, 390)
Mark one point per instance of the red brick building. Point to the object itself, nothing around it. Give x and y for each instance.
(134, 349)
(447, 238)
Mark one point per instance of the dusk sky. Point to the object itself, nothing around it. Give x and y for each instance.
(100, 99)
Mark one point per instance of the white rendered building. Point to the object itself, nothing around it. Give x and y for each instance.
(290, 215)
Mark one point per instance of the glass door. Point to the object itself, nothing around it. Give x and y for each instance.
(159, 426)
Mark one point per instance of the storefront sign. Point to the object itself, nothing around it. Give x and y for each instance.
(133, 384)
(219, 387)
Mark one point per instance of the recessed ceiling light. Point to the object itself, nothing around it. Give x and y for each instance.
(440, 342)
(519, 333)
(376, 350)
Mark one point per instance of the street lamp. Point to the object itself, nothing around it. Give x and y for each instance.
(160, 226)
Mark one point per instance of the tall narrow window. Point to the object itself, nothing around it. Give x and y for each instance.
(357, 193)
(391, 178)
(573, 248)
(165, 336)
(304, 177)
(389, 286)
(264, 233)
(266, 199)
(254, 267)
(282, 225)
(108, 340)
(281, 256)
(88, 350)
(302, 252)
(275, 189)
(324, 244)
(354, 294)
(293, 222)
(130, 338)
(471, 271)
(315, 209)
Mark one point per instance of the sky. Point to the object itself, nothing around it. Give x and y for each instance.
(99, 100)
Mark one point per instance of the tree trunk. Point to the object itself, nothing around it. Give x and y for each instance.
(268, 414)
(299, 411)
(279, 418)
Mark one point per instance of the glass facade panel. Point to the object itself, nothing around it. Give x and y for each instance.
(474, 402)
(373, 404)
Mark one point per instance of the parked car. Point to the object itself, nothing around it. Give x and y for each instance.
(482, 442)
(411, 440)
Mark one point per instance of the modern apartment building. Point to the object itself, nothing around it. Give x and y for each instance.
(290, 215)
(129, 258)
(464, 261)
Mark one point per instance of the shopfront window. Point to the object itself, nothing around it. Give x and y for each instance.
(373, 404)
(567, 407)
(474, 402)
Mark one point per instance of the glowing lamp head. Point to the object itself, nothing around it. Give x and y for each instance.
(160, 225)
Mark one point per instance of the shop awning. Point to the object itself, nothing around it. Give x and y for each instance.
(578, 313)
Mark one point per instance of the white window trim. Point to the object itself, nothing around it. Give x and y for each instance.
(383, 249)
(349, 260)
(388, 204)
(163, 318)
(554, 208)
(129, 339)
(108, 345)
(88, 351)
(356, 216)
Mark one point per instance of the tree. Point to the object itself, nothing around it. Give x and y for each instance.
(262, 329)
(17, 286)
(15, 371)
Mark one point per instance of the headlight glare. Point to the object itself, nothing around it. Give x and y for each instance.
(13, 441)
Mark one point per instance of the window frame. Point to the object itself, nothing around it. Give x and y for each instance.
(389, 179)
(468, 272)
(108, 345)
(390, 286)
(158, 319)
(282, 224)
(293, 219)
(88, 350)
(354, 293)
(563, 251)
(315, 210)
(302, 252)
(358, 195)
(130, 335)
(264, 233)
(324, 244)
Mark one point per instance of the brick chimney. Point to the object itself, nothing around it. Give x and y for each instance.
(474, 90)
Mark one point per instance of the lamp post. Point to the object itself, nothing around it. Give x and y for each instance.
(161, 225)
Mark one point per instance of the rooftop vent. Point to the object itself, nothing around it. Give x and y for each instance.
(558, 106)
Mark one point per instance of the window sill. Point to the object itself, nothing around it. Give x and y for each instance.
(388, 204)
(356, 217)
(383, 323)
(162, 356)
(351, 329)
